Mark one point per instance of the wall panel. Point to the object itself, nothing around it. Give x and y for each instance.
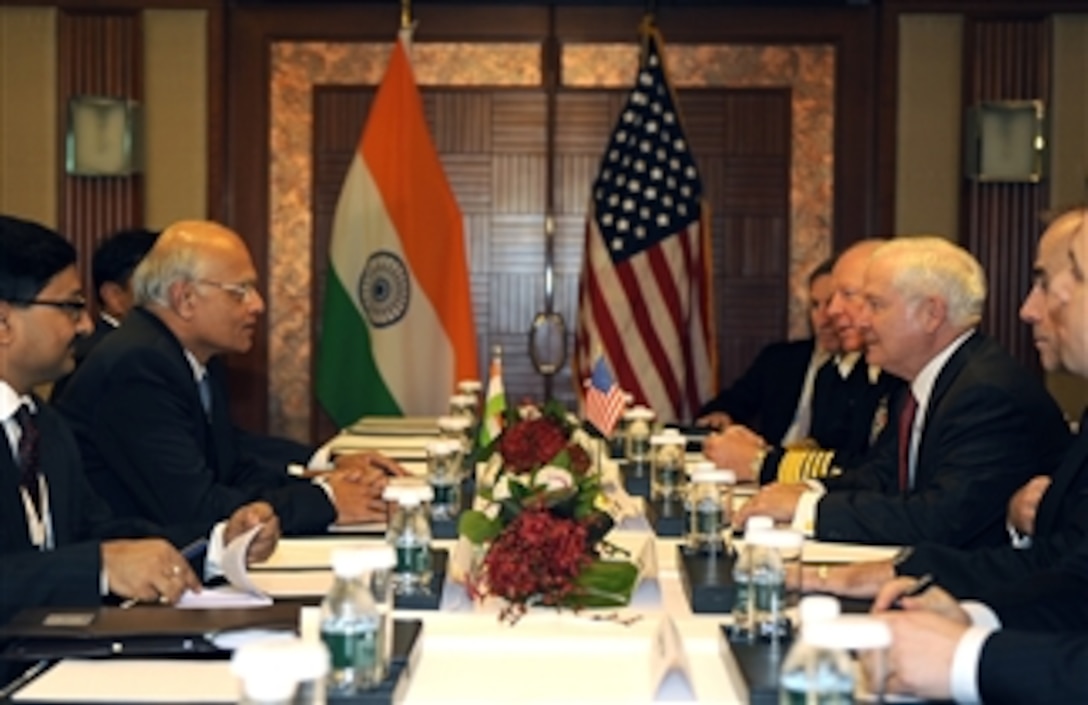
(1006, 59)
(176, 115)
(928, 162)
(100, 54)
(28, 113)
(1069, 155)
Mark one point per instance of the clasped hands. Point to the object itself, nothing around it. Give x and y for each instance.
(357, 484)
(152, 570)
(736, 448)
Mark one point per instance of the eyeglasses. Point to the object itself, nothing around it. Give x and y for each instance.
(75, 308)
(240, 291)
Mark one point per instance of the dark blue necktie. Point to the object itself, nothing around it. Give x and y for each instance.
(204, 386)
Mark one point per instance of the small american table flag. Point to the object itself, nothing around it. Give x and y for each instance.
(604, 399)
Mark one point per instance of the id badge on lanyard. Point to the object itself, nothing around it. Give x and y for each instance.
(39, 525)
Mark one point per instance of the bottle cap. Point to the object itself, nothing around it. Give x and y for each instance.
(352, 562)
(638, 413)
(669, 436)
(347, 562)
(377, 557)
(462, 401)
(469, 386)
(714, 476)
(445, 447)
(454, 424)
(757, 523)
(776, 538)
(408, 491)
(817, 608)
(271, 669)
(699, 466)
(848, 632)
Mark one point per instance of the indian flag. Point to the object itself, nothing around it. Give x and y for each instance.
(495, 404)
(397, 330)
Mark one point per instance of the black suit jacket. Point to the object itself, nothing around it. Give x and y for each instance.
(989, 427)
(151, 452)
(1018, 667)
(69, 574)
(765, 397)
(1061, 525)
(82, 349)
(848, 414)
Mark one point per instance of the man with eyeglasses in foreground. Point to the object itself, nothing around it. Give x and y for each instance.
(149, 405)
(59, 543)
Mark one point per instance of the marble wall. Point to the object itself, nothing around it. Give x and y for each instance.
(808, 70)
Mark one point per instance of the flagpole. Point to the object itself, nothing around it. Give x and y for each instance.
(645, 28)
(548, 331)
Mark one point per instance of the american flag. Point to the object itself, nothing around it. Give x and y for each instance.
(605, 401)
(644, 293)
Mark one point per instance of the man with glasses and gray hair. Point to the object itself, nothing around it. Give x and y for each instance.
(149, 405)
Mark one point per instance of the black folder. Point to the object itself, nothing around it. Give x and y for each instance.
(62, 632)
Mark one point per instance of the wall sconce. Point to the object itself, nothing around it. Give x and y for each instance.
(1005, 141)
(104, 137)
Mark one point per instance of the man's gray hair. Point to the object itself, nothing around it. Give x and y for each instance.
(162, 268)
(927, 265)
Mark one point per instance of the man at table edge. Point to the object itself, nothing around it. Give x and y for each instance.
(62, 546)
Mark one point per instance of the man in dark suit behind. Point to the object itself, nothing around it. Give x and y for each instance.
(59, 544)
(112, 265)
(774, 395)
(981, 426)
(149, 405)
(849, 398)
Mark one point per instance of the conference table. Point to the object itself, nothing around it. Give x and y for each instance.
(656, 649)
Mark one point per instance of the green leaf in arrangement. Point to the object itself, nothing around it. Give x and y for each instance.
(605, 584)
(477, 527)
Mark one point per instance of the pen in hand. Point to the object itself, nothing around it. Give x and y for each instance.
(924, 583)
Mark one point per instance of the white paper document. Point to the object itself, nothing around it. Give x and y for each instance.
(241, 592)
(823, 552)
(310, 553)
(133, 681)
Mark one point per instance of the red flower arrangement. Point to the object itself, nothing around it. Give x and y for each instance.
(542, 529)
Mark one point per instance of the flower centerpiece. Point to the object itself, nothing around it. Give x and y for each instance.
(541, 526)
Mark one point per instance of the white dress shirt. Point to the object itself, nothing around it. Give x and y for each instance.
(39, 526)
(964, 676)
(802, 415)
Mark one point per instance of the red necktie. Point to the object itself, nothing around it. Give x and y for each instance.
(28, 454)
(906, 422)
